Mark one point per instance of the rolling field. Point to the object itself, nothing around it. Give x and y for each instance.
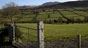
(58, 31)
(55, 31)
(50, 15)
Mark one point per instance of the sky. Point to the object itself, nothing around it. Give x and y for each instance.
(29, 2)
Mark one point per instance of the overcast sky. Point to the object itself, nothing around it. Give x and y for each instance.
(29, 2)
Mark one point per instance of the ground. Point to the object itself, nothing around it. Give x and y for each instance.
(58, 31)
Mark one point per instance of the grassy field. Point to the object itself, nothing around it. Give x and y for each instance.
(50, 15)
(29, 16)
(58, 31)
(55, 31)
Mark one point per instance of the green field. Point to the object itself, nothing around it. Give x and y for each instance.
(58, 31)
(54, 31)
(29, 16)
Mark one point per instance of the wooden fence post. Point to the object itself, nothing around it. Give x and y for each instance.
(79, 41)
(40, 34)
(11, 28)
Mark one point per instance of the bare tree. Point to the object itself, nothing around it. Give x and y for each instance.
(10, 11)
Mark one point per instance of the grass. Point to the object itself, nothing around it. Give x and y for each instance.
(28, 15)
(44, 15)
(58, 31)
(82, 13)
(55, 31)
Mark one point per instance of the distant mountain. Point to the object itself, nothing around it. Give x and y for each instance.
(50, 3)
(58, 5)
(27, 7)
(75, 4)
(66, 4)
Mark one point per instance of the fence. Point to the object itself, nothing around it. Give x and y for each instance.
(35, 39)
(67, 42)
(28, 42)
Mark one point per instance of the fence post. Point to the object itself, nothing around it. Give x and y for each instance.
(40, 34)
(79, 41)
(11, 29)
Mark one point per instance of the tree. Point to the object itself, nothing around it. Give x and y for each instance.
(78, 20)
(54, 11)
(10, 11)
(55, 21)
(36, 12)
(85, 19)
(72, 20)
(48, 15)
(44, 10)
(60, 20)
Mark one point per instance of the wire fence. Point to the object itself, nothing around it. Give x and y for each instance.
(77, 41)
(28, 38)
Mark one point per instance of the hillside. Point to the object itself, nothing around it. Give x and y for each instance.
(49, 3)
(58, 5)
(68, 4)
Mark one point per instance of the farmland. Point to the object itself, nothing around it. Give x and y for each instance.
(58, 31)
(54, 30)
(65, 25)
(53, 15)
(50, 15)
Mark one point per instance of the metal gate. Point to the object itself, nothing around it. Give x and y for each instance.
(31, 38)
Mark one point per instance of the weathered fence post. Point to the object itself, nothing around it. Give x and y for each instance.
(11, 28)
(79, 41)
(40, 34)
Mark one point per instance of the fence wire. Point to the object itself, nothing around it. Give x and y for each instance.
(28, 37)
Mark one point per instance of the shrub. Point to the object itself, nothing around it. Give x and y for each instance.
(18, 34)
(3, 34)
(48, 15)
(79, 20)
(60, 20)
(55, 21)
(72, 20)
(85, 19)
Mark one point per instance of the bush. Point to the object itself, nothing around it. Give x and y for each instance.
(3, 34)
(79, 20)
(55, 21)
(72, 20)
(85, 19)
(18, 34)
(48, 15)
(60, 20)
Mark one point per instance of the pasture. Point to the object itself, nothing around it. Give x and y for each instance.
(58, 31)
(55, 31)
(64, 27)
(47, 15)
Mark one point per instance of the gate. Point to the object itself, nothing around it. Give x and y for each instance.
(31, 38)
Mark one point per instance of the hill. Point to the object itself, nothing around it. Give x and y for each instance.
(49, 3)
(67, 4)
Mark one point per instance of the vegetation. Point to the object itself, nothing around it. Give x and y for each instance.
(58, 21)
(51, 15)
(62, 24)
(55, 31)
(10, 11)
